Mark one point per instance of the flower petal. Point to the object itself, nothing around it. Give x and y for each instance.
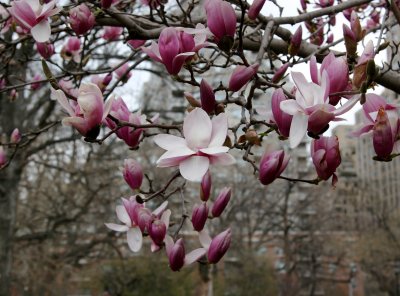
(298, 129)
(194, 255)
(291, 107)
(169, 142)
(122, 215)
(135, 239)
(215, 150)
(219, 130)
(41, 32)
(117, 227)
(205, 239)
(174, 157)
(161, 208)
(197, 129)
(222, 159)
(194, 168)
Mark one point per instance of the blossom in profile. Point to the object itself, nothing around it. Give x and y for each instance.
(221, 202)
(33, 17)
(201, 146)
(280, 118)
(325, 155)
(81, 19)
(384, 134)
(241, 76)
(216, 247)
(272, 164)
(255, 9)
(133, 173)
(177, 255)
(88, 112)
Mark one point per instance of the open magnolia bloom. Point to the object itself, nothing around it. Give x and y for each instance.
(33, 16)
(202, 145)
(311, 110)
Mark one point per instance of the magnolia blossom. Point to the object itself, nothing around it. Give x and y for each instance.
(87, 114)
(205, 187)
(325, 154)
(82, 19)
(112, 33)
(280, 118)
(202, 145)
(311, 110)
(241, 76)
(255, 9)
(221, 202)
(33, 16)
(272, 164)
(175, 46)
(133, 173)
(216, 247)
(128, 213)
(337, 71)
(72, 50)
(177, 255)
(123, 72)
(46, 50)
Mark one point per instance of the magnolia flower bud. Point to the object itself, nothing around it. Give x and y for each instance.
(282, 119)
(15, 137)
(144, 218)
(221, 202)
(272, 165)
(3, 157)
(295, 41)
(133, 173)
(81, 19)
(255, 9)
(107, 79)
(176, 256)
(241, 76)
(219, 245)
(325, 156)
(199, 216)
(280, 73)
(205, 187)
(157, 231)
(383, 138)
(46, 50)
(207, 97)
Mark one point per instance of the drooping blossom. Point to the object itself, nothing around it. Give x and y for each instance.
(338, 74)
(33, 16)
(130, 135)
(216, 247)
(177, 255)
(221, 20)
(46, 50)
(255, 9)
(128, 214)
(311, 110)
(176, 46)
(88, 112)
(241, 76)
(112, 33)
(15, 137)
(221, 202)
(199, 216)
(325, 155)
(133, 173)
(205, 186)
(272, 164)
(201, 147)
(81, 19)
(282, 120)
(384, 134)
(72, 50)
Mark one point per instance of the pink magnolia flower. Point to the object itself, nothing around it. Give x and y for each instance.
(128, 213)
(295, 41)
(68, 87)
(46, 50)
(216, 247)
(205, 187)
(15, 137)
(255, 9)
(325, 155)
(72, 50)
(112, 33)
(241, 76)
(280, 73)
(272, 165)
(280, 118)
(82, 19)
(221, 20)
(177, 255)
(33, 16)
(207, 97)
(175, 46)
(385, 132)
(221, 202)
(133, 173)
(338, 74)
(199, 216)
(311, 110)
(88, 113)
(202, 145)
(130, 135)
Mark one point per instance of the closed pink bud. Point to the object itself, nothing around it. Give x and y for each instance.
(241, 76)
(207, 97)
(133, 173)
(303, 4)
(81, 19)
(157, 231)
(46, 50)
(255, 9)
(282, 119)
(280, 73)
(107, 79)
(272, 165)
(3, 157)
(383, 138)
(144, 218)
(176, 256)
(15, 137)
(106, 3)
(325, 155)
(219, 246)
(199, 216)
(205, 187)
(221, 20)
(295, 41)
(329, 40)
(135, 44)
(221, 202)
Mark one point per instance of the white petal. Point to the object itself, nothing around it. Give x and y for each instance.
(219, 130)
(161, 208)
(117, 227)
(194, 255)
(169, 243)
(174, 157)
(165, 217)
(135, 239)
(291, 107)
(197, 129)
(205, 239)
(347, 106)
(169, 142)
(122, 215)
(59, 95)
(194, 168)
(298, 129)
(215, 150)
(41, 32)
(222, 159)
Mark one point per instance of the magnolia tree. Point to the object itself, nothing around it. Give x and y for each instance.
(67, 46)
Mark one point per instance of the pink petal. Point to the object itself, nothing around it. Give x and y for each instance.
(59, 95)
(222, 159)
(117, 227)
(194, 255)
(135, 239)
(122, 215)
(165, 218)
(215, 150)
(298, 129)
(174, 157)
(219, 130)
(41, 32)
(291, 107)
(153, 52)
(314, 70)
(194, 168)
(169, 142)
(346, 106)
(197, 129)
